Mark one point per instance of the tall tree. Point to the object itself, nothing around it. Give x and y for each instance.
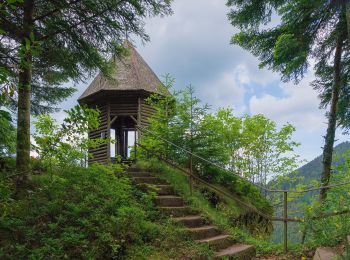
(307, 30)
(44, 43)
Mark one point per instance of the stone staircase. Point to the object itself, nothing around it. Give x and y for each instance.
(200, 230)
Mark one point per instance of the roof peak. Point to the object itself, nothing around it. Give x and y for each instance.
(129, 73)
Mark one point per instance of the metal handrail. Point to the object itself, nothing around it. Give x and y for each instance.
(262, 214)
(242, 178)
(285, 219)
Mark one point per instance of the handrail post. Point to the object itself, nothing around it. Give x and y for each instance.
(190, 177)
(285, 220)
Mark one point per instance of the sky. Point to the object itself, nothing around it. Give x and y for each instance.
(193, 46)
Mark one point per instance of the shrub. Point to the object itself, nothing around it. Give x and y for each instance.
(77, 213)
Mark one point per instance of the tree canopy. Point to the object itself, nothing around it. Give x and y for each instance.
(69, 40)
(47, 43)
(251, 146)
(307, 34)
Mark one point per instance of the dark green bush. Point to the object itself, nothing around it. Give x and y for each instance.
(77, 213)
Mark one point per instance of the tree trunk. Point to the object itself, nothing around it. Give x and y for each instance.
(332, 121)
(24, 96)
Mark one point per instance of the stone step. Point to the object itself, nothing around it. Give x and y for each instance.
(176, 211)
(190, 221)
(169, 201)
(165, 189)
(172, 205)
(136, 169)
(217, 242)
(140, 174)
(160, 189)
(236, 251)
(325, 253)
(204, 232)
(148, 180)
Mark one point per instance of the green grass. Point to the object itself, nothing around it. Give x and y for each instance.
(224, 213)
(93, 213)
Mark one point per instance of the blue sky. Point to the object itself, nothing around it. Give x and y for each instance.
(193, 45)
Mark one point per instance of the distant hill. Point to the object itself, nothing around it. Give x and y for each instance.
(310, 171)
(313, 169)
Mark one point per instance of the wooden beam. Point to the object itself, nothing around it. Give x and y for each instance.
(113, 119)
(138, 117)
(134, 119)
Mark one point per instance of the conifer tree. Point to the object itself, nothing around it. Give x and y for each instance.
(45, 43)
(307, 30)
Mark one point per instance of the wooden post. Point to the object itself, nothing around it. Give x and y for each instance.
(108, 132)
(285, 216)
(135, 144)
(139, 117)
(126, 144)
(190, 177)
(116, 143)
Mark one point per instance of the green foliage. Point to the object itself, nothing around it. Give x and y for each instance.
(331, 230)
(324, 231)
(225, 212)
(311, 171)
(289, 46)
(67, 41)
(7, 134)
(66, 144)
(79, 213)
(249, 146)
(171, 241)
(87, 213)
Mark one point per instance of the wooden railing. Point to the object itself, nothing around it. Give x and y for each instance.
(189, 173)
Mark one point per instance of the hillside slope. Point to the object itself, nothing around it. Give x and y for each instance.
(313, 169)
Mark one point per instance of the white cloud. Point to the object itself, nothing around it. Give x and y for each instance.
(227, 90)
(298, 105)
(193, 46)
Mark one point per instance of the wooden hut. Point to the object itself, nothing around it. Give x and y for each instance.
(121, 101)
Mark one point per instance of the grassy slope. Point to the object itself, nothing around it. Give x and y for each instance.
(90, 213)
(223, 214)
(97, 213)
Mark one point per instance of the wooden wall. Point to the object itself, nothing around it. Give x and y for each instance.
(124, 106)
(100, 154)
(117, 107)
(146, 111)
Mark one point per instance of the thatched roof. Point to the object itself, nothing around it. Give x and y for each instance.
(131, 73)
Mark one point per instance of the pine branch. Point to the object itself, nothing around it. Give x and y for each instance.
(96, 15)
(41, 17)
(11, 28)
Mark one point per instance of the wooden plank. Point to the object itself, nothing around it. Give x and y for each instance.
(127, 105)
(93, 160)
(99, 130)
(132, 108)
(99, 147)
(99, 153)
(97, 150)
(124, 113)
(147, 105)
(98, 156)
